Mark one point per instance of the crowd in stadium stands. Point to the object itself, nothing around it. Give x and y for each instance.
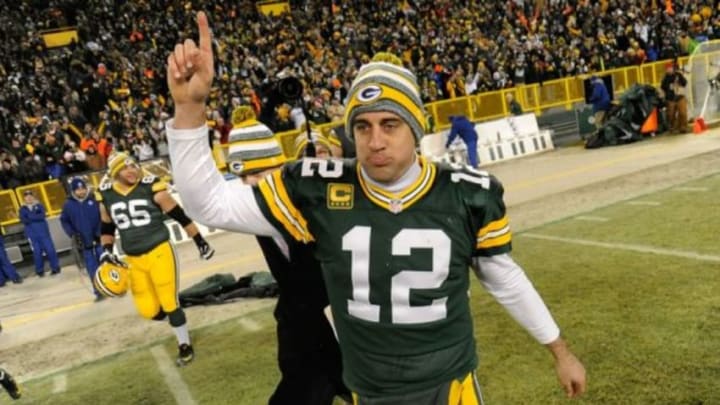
(62, 110)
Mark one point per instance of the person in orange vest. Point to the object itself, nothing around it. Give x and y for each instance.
(669, 7)
(87, 141)
(105, 146)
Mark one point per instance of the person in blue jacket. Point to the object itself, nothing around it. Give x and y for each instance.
(463, 127)
(80, 219)
(7, 270)
(32, 215)
(600, 100)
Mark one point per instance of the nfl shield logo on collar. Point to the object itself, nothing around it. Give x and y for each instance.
(396, 206)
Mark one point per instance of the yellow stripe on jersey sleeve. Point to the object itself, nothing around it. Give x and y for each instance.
(493, 226)
(285, 199)
(282, 209)
(500, 240)
(494, 234)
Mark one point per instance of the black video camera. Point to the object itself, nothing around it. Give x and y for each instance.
(287, 90)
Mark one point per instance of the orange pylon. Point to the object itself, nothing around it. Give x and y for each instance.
(699, 126)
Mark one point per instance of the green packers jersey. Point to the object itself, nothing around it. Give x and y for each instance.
(139, 220)
(396, 266)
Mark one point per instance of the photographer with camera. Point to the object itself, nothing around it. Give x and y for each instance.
(276, 93)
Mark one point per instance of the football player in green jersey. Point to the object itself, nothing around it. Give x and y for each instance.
(394, 233)
(137, 205)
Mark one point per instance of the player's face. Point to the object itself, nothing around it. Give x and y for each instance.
(129, 175)
(384, 144)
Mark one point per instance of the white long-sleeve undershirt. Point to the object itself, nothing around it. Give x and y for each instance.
(207, 197)
(506, 281)
(211, 200)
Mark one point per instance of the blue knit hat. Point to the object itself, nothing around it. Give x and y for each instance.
(76, 183)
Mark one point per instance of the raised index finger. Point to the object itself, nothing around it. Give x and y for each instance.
(204, 30)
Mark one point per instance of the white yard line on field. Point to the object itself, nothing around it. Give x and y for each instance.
(172, 377)
(249, 325)
(692, 189)
(630, 247)
(649, 203)
(591, 218)
(59, 383)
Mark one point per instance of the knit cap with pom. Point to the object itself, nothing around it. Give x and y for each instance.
(385, 85)
(252, 146)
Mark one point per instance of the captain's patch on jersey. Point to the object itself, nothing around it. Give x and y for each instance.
(340, 196)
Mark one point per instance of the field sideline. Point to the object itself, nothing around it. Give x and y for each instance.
(620, 243)
(633, 284)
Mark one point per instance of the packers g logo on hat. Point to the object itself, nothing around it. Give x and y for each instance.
(236, 167)
(385, 85)
(369, 93)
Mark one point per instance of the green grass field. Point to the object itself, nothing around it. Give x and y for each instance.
(634, 287)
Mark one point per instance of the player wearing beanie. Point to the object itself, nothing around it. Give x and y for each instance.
(395, 235)
(137, 205)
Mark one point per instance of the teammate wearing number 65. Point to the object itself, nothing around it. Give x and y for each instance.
(137, 207)
(395, 235)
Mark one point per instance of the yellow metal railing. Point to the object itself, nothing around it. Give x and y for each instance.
(50, 193)
(534, 97)
(9, 208)
(480, 107)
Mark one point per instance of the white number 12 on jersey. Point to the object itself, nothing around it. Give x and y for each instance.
(357, 241)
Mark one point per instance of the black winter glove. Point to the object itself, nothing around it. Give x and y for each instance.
(108, 256)
(206, 251)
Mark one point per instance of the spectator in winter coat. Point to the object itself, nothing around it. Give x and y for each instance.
(31, 170)
(673, 86)
(80, 219)
(93, 159)
(53, 168)
(466, 130)
(32, 215)
(513, 106)
(600, 100)
(9, 176)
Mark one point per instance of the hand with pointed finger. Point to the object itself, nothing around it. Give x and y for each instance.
(190, 72)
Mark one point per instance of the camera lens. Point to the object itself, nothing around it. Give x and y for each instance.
(290, 88)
